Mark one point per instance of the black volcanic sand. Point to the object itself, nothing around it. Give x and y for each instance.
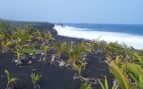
(53, 76)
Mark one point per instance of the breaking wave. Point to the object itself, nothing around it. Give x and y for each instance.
(135, 41)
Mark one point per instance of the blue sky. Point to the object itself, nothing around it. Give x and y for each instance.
(75, 11)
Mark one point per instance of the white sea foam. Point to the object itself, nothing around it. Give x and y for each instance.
(123, 38)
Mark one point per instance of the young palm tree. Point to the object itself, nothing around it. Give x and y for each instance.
(10, 80)
(94, 46)
(47, 37)
(104, 85)
(75, 55)
(38, 35)
(79, 66)
(123, 71)
(135, 72)
(19, 54)
(86, 85)
(2, 41)
(22, 36)
(67, 48)
(59, 49)
(6, 44)
(35, 79)
(45, 49)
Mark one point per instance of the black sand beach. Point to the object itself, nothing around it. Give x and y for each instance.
(53, 76)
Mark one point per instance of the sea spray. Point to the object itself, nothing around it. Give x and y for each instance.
(123, 38)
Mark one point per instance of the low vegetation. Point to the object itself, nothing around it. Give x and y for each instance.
(25, 43)
(10, 80)
(86, 85)
(35, 79)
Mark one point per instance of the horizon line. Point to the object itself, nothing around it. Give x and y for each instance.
(37, 21)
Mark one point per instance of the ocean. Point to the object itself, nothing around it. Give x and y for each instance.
(130, 35)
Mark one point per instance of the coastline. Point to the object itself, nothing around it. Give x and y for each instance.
(131, 40)
(53, 76)
(59, 76)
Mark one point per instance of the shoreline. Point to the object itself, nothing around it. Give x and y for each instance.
(67, 64)
(121, 38)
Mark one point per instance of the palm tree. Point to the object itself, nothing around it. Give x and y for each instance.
(10, 80)
(47, 37)
(45, 49)
(119, 76)
(59, 49)
(6, 45)
(79, 66)
(35, 79)
(86, 85)
(93, 46)
(22, 36)
(19, 54)
(114, 48)
(76, 54)
(5, 42)
(67, 48)
(104, 85)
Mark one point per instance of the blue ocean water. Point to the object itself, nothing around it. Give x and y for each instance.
(122, 28)
(131, 35)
